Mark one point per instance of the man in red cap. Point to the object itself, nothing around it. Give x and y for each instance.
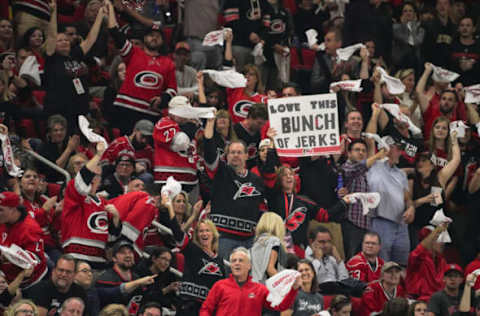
(22, 230)
(426, 264)
(447, 301)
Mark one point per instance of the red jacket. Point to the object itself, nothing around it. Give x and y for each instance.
(227, 298)
(359, 268)
(374, 298)
(424, 276)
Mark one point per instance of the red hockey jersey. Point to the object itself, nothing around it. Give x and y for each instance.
(122, 144)
(360, 269)
(84, 221)
(239, 103)
(137, 210)
(44, 219)
(375, 297)
(182, 166)
(146, 77)
(28, 235)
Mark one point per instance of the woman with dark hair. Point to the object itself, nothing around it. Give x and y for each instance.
(118, 69)
(308, 301)
(417, 308)
(296, 211)
(340, 306)
(163, 291)
(429, 188)
(397, 306)
(33, 39)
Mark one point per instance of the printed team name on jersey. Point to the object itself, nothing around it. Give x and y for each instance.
(210, 268)
(296, 218)
(242, 107)
(98, 222)
(245, 190)
(148, 80)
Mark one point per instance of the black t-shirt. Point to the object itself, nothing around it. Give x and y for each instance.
(461, 53)
(62, 96)
(442, 304)
(45, 294)
(307, 304)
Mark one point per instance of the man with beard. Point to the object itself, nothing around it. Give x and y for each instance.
(49, 295)
(121, 272)
(138, 143)
(150, 80)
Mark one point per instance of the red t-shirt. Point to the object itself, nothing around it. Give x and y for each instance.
(374, 298)
(433, 111)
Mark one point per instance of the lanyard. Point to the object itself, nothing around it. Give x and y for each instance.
(288, 208)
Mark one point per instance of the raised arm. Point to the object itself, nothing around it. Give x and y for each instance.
(427, 243)
(420, 89)
(365, 64)
(202, 98)
(472, 114)
(92, 36)
(447, 172)
(377, 90)
(51, 42)
(134, 14)
(228, 46)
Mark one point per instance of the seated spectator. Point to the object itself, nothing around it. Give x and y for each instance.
(17, 227)
(225, 296)
(50, 294)
(379, 292)
(121, 272)
(9, 291)
(186, 76)
(354, 172)
(426, 265)
(443, 302)
(340, 306)
(328, 265)
(150, 309)
(366, 266)
(308, 301)
(417, 308)
(248, 130)
(58, 147)
(397, 306)
(72, 306)
(22, 308)
(114, 310)
(268, 250)
(7, 38)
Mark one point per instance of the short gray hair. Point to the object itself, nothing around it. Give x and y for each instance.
(242, 250)
(71, 299)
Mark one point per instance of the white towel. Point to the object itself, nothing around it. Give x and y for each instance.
(171, 188)
(279, 285)
(215, 37)
(347, 52)
(227, 78)
(394, 85)
(88, 132)
(459, 127)
(348, 85)
(369, 200)
(472, 94)
(18, 256)
(443, 75)
(394, 109)
(31, 69)
(440, 218)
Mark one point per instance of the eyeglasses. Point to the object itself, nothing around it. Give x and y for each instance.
(64, 271)
(85, 271)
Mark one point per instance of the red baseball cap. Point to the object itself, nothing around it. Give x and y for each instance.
(9, 199)
(453, 267)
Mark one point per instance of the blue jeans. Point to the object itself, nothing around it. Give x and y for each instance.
(395, 240)
(226, 245)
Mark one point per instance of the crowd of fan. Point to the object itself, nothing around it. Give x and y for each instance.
(105, 241)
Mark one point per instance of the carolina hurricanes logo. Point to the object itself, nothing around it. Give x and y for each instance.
(210, 268)
(98, 223)
(295, 219)
(254, 14)
(134, 304)
(277, 26)
(242, 107)
(148, 80)
(245, 190)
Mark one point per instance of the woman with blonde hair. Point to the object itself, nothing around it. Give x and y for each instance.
(203, 266)
(408, 98)
(114, 310)
(268, 251)
(22, 308)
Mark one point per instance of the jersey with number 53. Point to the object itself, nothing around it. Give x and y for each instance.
(174, 153)
(27, 234)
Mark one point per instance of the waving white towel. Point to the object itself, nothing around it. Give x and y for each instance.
(347, 52)
(394, 85)
(394, 109)
(9, 158)
(472, 94)
(18, 256)
(369, 200)
(171, 188)
(279, 285)
(348, 85)
(227, 78)
(443, 75)
(31, 69)
(459, 127)
(88, 132)
(440, 218)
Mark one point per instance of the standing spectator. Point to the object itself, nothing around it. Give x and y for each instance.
(245, 20)
(308, 301)
(72, 306)
(409, 98)
(31, 14)
(466, 303)
(378, 293)
(22, 308)
(121, 272)
(8, 291)
(465, 53)
(185, 75)
(439, 35)
(175, 152)
(237, 194)
(408, 36)
(353, 130)
(396, 210)
(50, 294)
(268, 250)
(201, 17)
(249, 129)
(366, 266)
(309, 16)
(150, 80)
(227, 297)
(354, 172)
(426, 264)
(447, 301)
(17, 227)
(328, 265)
(117, 72)
(369, 19)
(65, 71)
(58, 148)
